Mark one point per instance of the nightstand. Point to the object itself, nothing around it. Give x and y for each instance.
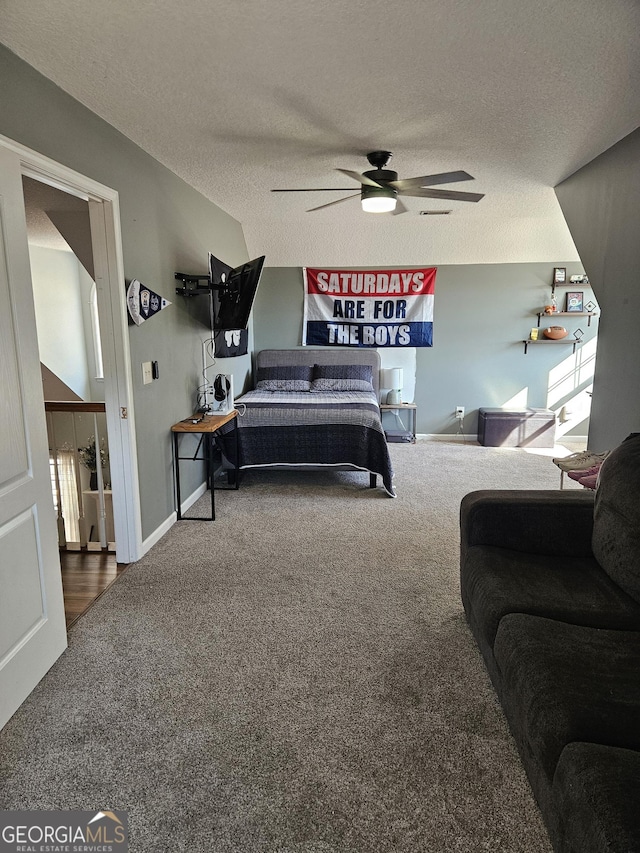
(398, 435)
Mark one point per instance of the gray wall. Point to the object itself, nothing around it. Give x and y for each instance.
(601, 204)
(61, 291)
(482, 313)
(166, 226)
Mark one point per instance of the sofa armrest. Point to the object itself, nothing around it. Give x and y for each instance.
(552, 522)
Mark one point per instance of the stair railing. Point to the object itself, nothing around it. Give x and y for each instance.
(54, 428)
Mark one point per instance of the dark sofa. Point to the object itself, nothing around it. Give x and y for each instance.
(550, 583)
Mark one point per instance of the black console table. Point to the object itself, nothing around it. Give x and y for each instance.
(206, 426)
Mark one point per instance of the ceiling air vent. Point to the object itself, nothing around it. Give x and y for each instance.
(435, 212)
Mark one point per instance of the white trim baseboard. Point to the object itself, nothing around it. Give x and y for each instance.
(168, 523)
(445, 436)
(158, 533)
(193, 497)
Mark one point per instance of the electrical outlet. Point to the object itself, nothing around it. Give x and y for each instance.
(459, 412)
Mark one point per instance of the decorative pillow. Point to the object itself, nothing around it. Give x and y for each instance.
(285, 378)
(342, 377)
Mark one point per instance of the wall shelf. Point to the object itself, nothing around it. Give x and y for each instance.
(572, 341)
(589, 314)
(549, 342)
(574, 284)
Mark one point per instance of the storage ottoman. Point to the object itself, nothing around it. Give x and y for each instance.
(516, 427)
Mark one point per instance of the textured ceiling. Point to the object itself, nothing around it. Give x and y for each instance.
(239, 98)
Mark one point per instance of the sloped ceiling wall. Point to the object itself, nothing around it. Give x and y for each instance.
(601, 203)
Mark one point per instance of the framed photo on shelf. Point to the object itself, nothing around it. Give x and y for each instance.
(575, 301)
(559, 275)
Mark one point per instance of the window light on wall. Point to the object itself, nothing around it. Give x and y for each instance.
(95, 327)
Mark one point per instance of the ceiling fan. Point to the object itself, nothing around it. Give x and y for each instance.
(380, 187)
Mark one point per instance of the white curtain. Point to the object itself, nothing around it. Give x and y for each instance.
(68, 494)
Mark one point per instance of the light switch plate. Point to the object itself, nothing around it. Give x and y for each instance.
(147, 373)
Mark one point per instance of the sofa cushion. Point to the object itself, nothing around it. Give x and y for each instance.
(616, 523)
(498, 581)
(537, 521)
(596, 791)
(564, 683)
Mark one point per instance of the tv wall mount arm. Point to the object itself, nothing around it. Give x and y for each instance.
(192, 285)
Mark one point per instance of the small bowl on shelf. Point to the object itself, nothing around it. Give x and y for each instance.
(555, 333)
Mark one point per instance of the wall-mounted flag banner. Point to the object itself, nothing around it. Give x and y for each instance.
(368, 308)
(143, 302)
(231, 343)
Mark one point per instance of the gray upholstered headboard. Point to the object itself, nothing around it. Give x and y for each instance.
(327, 355)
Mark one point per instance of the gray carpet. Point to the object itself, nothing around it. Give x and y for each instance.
(296, 676)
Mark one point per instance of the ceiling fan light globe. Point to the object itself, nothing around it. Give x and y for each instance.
(379, 204)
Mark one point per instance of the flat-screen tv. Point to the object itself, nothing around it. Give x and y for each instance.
(235, 289)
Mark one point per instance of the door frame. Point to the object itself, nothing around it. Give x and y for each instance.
(104, 214)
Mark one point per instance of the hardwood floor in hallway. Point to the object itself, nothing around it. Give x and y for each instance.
(85, 576)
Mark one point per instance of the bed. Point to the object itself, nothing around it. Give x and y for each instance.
(313, 408)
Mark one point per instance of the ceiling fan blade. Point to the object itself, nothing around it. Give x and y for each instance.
(362, 179)
(448, 195)
(432, 180)
(400, 208)
(317, 190)
(329, 204)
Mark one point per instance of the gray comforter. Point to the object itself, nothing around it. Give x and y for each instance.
(333, 428)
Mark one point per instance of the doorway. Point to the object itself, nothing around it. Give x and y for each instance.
(70, 348)
(99, 244)
(71, 355)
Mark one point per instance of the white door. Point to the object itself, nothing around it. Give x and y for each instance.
(32, 621)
